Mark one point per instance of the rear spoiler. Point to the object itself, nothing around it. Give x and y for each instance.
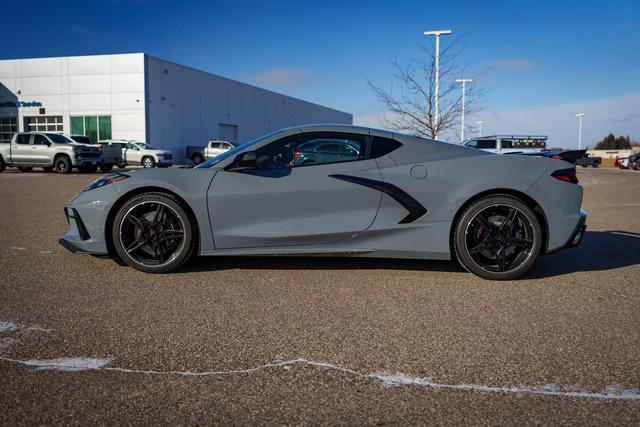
(569, 156)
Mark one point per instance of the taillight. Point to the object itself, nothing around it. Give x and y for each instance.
(296, 154)
(567, 175)
(556, 157)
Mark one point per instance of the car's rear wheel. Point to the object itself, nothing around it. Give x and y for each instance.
(197, 159)
(154, 233)
(497, 237)
(148, 162)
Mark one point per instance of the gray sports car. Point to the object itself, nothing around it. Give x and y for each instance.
(398, 197)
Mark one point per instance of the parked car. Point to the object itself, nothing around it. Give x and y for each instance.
(49, 151)
(503, 144)
(634, 161)
(199, 154)
(109, 155)
(622, 162)
(141, 153)
(589, 160)
(402, 197)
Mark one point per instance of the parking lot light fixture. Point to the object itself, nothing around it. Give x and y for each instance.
(580, 116)
(464, 83)
(437, 34)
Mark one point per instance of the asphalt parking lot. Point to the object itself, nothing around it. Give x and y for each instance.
(317, 341)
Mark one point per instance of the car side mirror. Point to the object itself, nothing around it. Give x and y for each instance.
(243, 161)
(48, 143)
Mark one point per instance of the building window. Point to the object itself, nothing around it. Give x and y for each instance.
(43, 124)
(228, 132)
(8, 126)
(97, 128)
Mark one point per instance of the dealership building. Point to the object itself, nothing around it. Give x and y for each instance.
(137, 96)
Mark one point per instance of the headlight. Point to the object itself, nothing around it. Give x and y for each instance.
(106, 180)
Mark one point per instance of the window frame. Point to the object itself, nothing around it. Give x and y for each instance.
(310, 135)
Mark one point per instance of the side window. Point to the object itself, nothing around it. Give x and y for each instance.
(381, 146)
(226, 146)
(39, 140)
(506, 143)
(472, 144)
(307, 149)
(23, 138)
(132, 147)
(487, 144)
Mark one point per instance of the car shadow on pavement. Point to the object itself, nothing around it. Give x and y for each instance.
(316, 263)
(599, 251)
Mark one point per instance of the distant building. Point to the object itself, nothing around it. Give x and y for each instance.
(137, 96)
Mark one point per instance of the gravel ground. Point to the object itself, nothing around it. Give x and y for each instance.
(332, 341)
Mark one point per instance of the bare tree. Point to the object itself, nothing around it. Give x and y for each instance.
(410, 101)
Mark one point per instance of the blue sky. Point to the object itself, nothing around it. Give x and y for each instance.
(540, 55)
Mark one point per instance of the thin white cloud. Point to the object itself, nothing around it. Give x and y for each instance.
(282, 77)
(619, 115)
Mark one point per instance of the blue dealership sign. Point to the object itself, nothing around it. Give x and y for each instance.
(18, 104)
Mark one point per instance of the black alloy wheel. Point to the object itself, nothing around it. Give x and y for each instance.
(498, 238)
(154, 233)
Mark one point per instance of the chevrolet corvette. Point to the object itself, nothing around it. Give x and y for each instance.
(335, 190)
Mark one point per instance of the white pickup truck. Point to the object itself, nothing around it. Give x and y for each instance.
(49, 151)
(199, 154)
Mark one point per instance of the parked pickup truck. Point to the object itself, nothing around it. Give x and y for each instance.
(49, 151)
(199, 154)
(589, 160)
(109, 155)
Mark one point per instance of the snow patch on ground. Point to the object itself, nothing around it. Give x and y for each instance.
(10, 327)
(67, 363)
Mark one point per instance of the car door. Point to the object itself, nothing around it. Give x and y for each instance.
(40, 150)
(133, 154)
(21, 149)
(281, 204)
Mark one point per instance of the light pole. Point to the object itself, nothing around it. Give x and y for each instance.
(464, 83)
(437, 33)
(479, 122)
(580, 116)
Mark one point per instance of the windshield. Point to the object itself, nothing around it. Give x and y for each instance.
(58, 139)
(234, 151)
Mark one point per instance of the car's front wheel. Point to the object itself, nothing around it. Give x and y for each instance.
(497, 237)
(154, 233)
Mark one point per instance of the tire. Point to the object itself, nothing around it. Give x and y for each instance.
(484, 247)
(148, 162)
(595, 165)
(122, 165)
(106, 168)
(3, 166)
(62, 165)
(25, 168)
(141, 239)
(197, 159)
